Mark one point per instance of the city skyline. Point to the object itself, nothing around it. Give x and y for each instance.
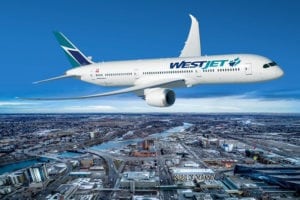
(154, 156)
(140, 30)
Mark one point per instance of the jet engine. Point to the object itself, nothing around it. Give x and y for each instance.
(159, 97)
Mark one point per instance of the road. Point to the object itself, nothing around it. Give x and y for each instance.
(113, 173)
(164, 175)
(191, 152)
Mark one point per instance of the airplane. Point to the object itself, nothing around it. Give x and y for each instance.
(154, 79)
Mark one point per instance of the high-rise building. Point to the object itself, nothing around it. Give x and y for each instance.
(37, 173)
(17, 178)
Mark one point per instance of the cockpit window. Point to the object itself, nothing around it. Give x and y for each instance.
(266, 66)
(271, 64)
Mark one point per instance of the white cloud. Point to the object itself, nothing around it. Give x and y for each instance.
(218, 104)
(239, 104)
(13, 103)
(228, 104)
(89, 108)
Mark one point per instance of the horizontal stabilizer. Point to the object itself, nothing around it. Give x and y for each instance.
(55, 78)
(121, 91)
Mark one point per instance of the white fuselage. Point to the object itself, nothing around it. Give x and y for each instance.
(154, 79)
(194, 70)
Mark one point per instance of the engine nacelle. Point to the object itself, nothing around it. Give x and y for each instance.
(159, 97)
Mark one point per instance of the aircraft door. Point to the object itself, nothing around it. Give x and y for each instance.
(136, 74)
(198, 72)
(92, 74)
(248, 69)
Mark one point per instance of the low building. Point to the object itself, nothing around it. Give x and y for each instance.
(17, 178)
(97, 168)
(144, 153)
(142, 179)
(86, 163)
(87, 183)
(81, 174)
(58, 168)
(5, 190)
(182, 174)
(3, 180)
(286, 177)
(187, 194)
(191, 164)
(84, 196)
(139, 197)
(65, 191)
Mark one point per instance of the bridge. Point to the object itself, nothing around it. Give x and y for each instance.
(47, 155)
(113, 173)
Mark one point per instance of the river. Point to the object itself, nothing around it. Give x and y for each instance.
(104, 146)
(16, 166)
(117, 143)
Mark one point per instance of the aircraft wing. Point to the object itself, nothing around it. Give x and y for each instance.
(137, 88)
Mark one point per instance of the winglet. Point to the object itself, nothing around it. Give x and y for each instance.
(192, 47)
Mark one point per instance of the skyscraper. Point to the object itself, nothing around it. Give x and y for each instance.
(37, 173)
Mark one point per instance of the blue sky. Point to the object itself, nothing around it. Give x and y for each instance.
(121, 30)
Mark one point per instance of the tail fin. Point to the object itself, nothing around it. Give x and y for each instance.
(74, 55)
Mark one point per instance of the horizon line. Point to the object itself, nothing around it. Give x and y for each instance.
(132, 113)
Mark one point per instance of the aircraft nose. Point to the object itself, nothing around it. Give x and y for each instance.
(280, 72)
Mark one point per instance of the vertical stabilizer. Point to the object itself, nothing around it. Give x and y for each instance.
(74, 55)
(192, 47)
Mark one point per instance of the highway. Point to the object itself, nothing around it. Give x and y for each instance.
(113, 173)
(164, 175)
(196, 157)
